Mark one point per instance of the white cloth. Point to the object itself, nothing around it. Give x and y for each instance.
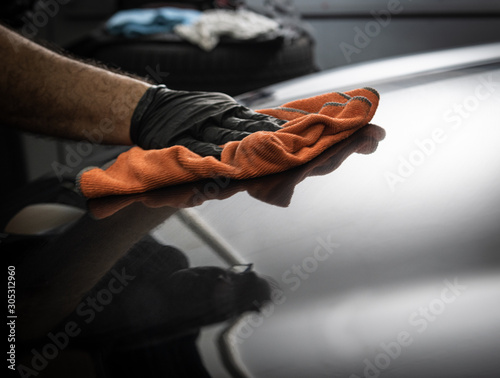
(212, 24)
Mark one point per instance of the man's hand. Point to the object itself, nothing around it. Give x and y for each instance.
(200, 121)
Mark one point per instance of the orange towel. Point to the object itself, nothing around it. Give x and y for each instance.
(276, 189)
(314, 124)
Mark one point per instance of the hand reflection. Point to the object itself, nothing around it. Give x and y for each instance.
(144, 315)
(160, 297)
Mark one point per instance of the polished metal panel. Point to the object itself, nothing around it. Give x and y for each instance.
(381, 257)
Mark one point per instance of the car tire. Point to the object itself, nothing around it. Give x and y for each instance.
(232, 67)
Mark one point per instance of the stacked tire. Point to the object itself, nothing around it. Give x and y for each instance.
(233, 67)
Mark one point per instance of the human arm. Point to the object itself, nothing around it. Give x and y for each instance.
(48, 93)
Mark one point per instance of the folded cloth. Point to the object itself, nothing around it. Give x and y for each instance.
(136, 22)
(314, 124)
(276, 189)
(216, 23)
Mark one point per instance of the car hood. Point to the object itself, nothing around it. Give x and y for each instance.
(381, 256)
(367, 256)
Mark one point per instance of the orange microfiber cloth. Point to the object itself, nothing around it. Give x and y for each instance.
(314, 124)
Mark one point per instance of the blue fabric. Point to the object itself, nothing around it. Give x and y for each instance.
(135, 22)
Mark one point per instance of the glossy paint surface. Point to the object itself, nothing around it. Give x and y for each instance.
(379, 258)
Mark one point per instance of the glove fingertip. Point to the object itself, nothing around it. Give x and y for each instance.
(198, 147)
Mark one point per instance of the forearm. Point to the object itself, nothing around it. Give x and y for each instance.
(96, 246)
(47, 93)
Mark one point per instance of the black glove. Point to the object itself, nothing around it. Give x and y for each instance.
(200, 121)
